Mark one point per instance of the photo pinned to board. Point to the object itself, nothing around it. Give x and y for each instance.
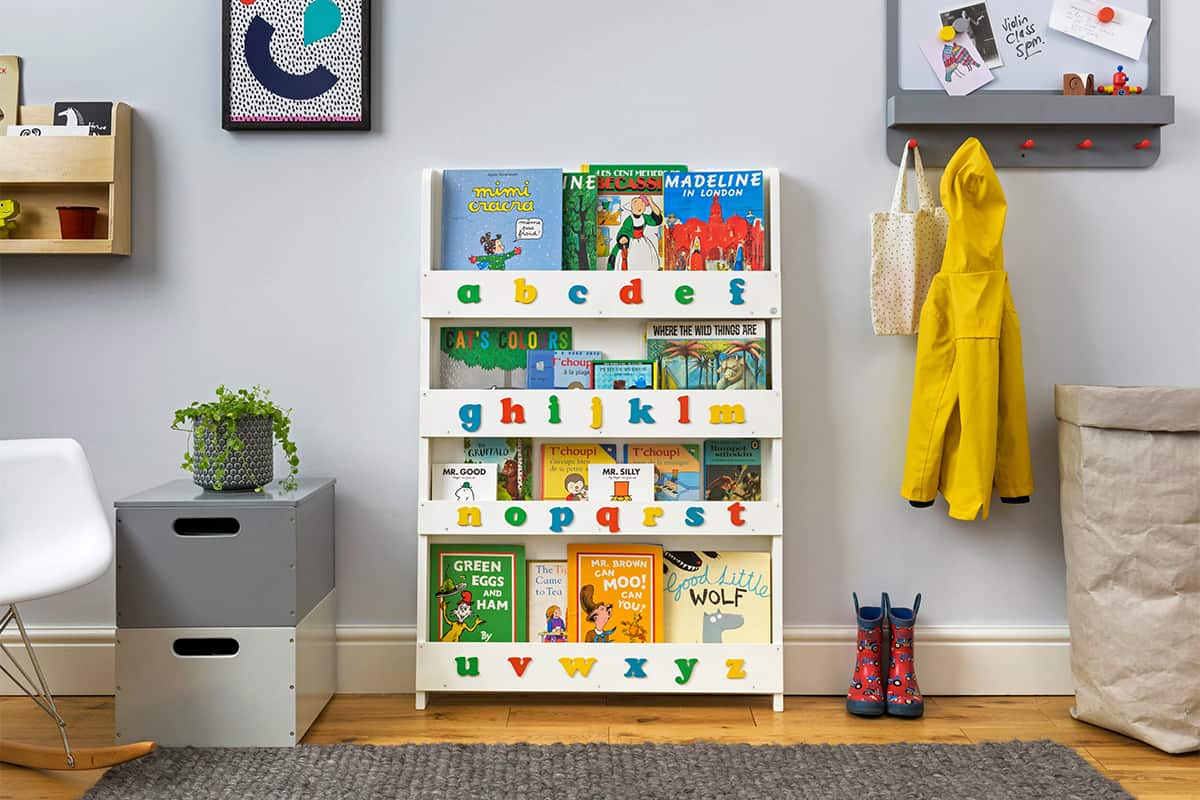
(975, 21)
(953, 58)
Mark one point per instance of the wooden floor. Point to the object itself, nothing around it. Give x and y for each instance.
(390, 719)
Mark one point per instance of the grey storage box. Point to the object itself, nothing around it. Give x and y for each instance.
(1129, 471)
(190, 558)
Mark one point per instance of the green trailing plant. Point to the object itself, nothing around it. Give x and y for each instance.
(219, 418)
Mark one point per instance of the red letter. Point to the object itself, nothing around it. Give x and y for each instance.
(519, 664)
(631, 295)
(511, 412)
(609, 517)
(684, 419)
(735, 513)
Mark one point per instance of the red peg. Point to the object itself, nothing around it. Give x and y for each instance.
(1086, 144)
(1144, 144)
(1028, 144)
(1106, 14)
(912, 144)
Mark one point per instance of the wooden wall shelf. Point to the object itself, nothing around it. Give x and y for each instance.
(42, 173)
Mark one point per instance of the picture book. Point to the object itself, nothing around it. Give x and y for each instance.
(10, 85)
(565, 468)
(96, 116)
(464, 483)
(717, 597)
(714, 221)
(616, 483)
(676, 468)
(733, 469)
(616, 593)
(549, 609)
(493, 358)
(502, 219)
(709, 355)
(477, 593)
(626, 374)
(579, 243)
(560, 369)
(629, 215)
(513, 459)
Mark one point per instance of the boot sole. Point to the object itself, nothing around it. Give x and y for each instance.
(911, 712)
(861, 708)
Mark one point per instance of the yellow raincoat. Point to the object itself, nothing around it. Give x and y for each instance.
(968, 430)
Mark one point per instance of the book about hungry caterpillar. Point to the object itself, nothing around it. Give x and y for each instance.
(565, 468)
(513, 460)
(616, 592)
(477, 593)
(717, 597)
(629, 215)
(714, 221)
(502, 219)
(704, 354)
(733, 470)
(676, 468)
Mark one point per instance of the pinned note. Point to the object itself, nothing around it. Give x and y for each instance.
(1125, 33)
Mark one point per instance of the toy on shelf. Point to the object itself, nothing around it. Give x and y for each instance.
(1120, 85)
(8, 210)
(1079, 83)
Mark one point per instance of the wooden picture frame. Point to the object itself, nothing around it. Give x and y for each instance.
(317, 99)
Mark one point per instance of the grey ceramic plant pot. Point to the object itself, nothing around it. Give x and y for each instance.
(246, 469)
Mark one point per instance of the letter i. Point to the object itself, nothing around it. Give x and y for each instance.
(597, 413)
(554, 417)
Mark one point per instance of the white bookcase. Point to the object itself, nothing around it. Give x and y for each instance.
(607, 323)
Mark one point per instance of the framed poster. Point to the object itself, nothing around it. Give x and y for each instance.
(296, 65)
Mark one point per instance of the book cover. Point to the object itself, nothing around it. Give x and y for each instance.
(617, 483)
(709, 355)
(565, 468)
(514, 464)
(629, 215)
(96, 116)
(714, 221)
(717, 597)
(616, 592)
(10, 86)
(733, 469)
(502, 219)
(560, 369)
(549, 609)
(464, 483)
(477, 593)
(493, 358)
(676, 468)
(623, 374)
(579, 243)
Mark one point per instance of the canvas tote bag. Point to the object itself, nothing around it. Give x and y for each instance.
(906, 252)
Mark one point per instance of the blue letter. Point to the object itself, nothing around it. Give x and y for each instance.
(635, 668)
(737, 287)
(639, 414)
(471, 414)
(560, 517)
(577, 294)
(694, 517)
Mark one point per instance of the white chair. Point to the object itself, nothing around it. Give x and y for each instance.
(54, 536)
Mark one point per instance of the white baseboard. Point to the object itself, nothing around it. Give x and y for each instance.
(817, 659)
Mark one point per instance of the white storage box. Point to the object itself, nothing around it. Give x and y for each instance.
(225, 687)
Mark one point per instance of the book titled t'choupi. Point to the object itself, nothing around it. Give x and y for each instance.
(714, 221)
(676, 468)
(616, 591)
(502, 219)
(717, 597)
(477, 593)
(566, 467)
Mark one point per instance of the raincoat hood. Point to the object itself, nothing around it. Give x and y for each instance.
(975, 203)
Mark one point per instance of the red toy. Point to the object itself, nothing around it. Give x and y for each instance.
(1120, 85)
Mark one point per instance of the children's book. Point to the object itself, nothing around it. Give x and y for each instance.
(464, 483)
(709, 355)
(616, 483)
(560, 369)
(714, 221)
(733, 469)
(549, 608)
(629, 214)
(10, 85)
(616, 593)
(623, 374)
(565, 468)
(717, 597)
(96, 116)
(513, 459)
(676, 468)
(477, 593)
(579, 221)
(499, 219)
(493, 358)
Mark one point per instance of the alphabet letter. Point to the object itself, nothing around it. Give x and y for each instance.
(650, 516)
(560, 517)
(636, 668)
(639, 414)
(683, 295)
(726, 414)
(515, 516)
(519, 664)
(467, 667)
(554, 417)
(597, 413)
(469, 517)
(511, 412)
(631, 294)
(577, 294)
(526, 292)
(469, 293)
(694, 517)
(735, 514)
(574, 666)
(471, 415)
(609, 517)
(737, 287)
(735, 668)
(684, 419)
(686, 665)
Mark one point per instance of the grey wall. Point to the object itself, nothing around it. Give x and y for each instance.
(290, 259)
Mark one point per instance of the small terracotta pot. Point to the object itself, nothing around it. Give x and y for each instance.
(77, 222)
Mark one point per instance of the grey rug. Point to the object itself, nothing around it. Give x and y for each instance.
(1042, 770)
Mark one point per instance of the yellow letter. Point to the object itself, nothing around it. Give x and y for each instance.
(725, 414)
(649, 516)
(526, 292)
(575, 666)
(469, 516)
(735, 668)
(597, 413)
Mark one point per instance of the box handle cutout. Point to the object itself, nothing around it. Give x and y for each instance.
(207, 526)
(216, 646)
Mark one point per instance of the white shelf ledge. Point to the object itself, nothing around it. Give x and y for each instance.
(716, 518)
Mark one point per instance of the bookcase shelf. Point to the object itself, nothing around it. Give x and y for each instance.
(684, 415)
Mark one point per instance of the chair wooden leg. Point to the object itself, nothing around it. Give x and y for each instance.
(37, 691)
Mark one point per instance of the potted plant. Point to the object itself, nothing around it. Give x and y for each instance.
(233, 440)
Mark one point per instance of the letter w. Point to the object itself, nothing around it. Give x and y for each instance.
(574, 666)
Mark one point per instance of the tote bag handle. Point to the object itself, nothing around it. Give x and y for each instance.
(900, 197)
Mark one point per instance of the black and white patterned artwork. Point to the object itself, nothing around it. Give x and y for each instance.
(296, 64)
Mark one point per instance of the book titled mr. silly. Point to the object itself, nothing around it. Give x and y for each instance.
(502, 219)
(477, 593)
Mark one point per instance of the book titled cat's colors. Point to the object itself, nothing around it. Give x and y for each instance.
(565, 468)
(560, 369)
(714, 221)
(464, 483)
(579, 242)
(717, 597)
(629, 214)
(513, 460)
(616, 592)
(549, 608)
(493, 358)
(616, 483)
(701, 354)
(733, 469)
(502, 219)
(477, 593)
(676, 468)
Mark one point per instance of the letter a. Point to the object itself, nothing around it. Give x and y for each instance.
(467, 667)
(469, 293)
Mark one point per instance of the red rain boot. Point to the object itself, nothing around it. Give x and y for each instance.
(865, 697)
(903, 694)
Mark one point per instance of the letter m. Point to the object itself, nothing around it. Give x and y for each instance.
(726, 414)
